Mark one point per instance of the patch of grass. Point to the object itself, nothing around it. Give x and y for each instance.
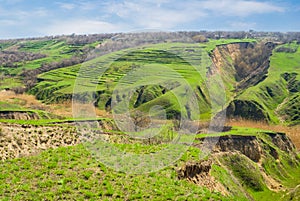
(8, 106)
(212, 44)
(9, 83)
(224, 177)
(86, 178)
(237, 130)
(245, 171)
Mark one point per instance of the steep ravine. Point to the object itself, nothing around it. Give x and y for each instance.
(232, 61)
(243, 67)
(262, 83)
(251, 164)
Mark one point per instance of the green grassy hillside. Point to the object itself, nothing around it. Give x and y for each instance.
(170, 65)
(55, 50)
(273, 95)
(20, 56)
(71, 173)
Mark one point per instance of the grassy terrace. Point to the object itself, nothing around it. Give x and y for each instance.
(10, 83)
(9, 107)
(52, 121)
(240, 131)
(209, 47)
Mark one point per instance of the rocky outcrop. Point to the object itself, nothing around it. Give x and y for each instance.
(247, 110)
(193, 170)
(283, 142)
(199, 173)
(247, 145)
(253, 147)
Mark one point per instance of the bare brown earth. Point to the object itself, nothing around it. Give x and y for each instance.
(24, 100)
(23, 140)
(199, 173)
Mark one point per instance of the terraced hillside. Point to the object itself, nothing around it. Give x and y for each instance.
(188, 61)
(23, 59)
(183, 85)
(61, 81)
(265, 90)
